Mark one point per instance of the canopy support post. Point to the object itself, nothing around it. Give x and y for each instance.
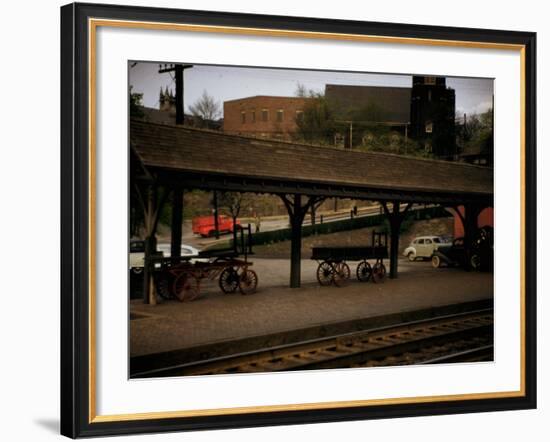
(395, 218)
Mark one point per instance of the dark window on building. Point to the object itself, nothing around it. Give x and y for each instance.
(429, 80)
(265, 115)
(253, 116)
(280, 116)
(430, 95)
(299, 115)
(243, 117)
(429, 127)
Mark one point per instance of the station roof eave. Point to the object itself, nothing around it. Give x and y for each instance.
(203, 159)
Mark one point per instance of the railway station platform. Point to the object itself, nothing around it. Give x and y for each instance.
(218, 324)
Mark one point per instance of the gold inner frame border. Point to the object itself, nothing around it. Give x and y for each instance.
(93, 24)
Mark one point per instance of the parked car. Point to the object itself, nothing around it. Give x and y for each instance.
(452, 254)
(186, 250)
(423, 247)
(205, 225)
(480, 256)
(137, 254)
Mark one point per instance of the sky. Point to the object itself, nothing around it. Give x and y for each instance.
(473, 95)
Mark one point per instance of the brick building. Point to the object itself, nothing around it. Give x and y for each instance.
(263, 116)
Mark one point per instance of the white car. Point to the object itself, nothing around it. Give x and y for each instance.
(137, 253)
(423, 247)
(186, 250)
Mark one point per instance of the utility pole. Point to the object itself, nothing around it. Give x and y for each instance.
(178, 70)
(216, 218)
(177, 191)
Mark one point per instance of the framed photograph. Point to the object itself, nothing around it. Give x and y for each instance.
(273, 220)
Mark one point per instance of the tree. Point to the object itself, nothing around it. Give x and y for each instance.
(476, 133)
(206, 107)
(234, 202)
(136, 104)
(316, 123)
(301, 90)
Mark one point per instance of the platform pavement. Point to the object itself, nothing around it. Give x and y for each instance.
(217, 317)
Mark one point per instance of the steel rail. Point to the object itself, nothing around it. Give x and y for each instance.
(342, 350)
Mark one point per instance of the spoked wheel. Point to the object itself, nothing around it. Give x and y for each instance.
(364, 271)
(186, 287)
(378, 272)
(229, 280)
(341, 273)
(324, 273)
(165, 284)
(475, 261)
(248, 282)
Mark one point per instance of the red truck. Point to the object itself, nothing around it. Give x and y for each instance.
(205, 226)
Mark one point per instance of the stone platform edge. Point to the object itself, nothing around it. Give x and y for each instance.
(153, 361)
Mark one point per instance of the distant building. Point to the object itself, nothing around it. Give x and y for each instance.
(424, 112)
(358, 109)
(484, 219)
(263, 116)
(375, 103)
(166, 113)
(433, 116)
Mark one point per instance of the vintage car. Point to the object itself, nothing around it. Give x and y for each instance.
(205, 225)
(423, 247)
(450, 254)
(479, 258)
(137, 254)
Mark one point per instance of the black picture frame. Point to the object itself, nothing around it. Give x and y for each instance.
(76, 418)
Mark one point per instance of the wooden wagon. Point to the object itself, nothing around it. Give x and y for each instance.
(181, 277)
(333, 267)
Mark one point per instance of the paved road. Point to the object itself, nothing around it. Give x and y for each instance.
(268, 225)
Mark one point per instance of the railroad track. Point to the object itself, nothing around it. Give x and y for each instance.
(454, 338)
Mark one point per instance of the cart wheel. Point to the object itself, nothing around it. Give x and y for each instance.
(341, 273)
(165, 283)
(186, 287)
(378, 272)
(364, 271)
(229, 280)
(324, 273)
(248, 282)
(475, 261)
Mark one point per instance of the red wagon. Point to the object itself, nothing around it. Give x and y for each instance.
(181, 279)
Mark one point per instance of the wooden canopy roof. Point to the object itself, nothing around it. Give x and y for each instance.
(208, 159)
